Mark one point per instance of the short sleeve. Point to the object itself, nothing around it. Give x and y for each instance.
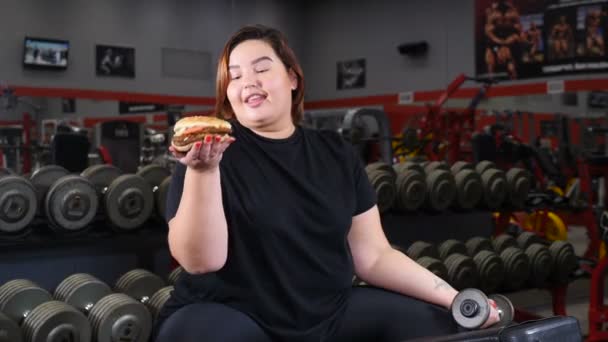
(174, 195)
(364, 191)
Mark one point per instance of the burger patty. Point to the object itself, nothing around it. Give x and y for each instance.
(186, 139)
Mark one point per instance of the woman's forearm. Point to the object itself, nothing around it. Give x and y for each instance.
(198, 234)
(396, 272)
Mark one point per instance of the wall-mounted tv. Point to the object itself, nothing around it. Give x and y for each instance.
(45, 53)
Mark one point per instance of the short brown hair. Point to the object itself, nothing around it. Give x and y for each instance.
(278, 42)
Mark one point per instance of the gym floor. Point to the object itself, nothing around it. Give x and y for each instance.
(577, 299)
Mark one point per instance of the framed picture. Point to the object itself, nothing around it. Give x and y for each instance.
(351, 74)
(115, 61)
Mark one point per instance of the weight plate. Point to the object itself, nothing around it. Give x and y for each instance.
(517, 268)
(43, 178)
(462, 271)
(459, 166)
(436, 165)
(421, 249)
(9, 330)
(434, 265)
(71, 204)
(469, 190)
(20, 296)
(525, 239)
(129, 202)
(154, 174)
(385, 188)
(118, 317)
(56, 321)
(5, 172)
(449, 247)
(565, 261)
(18, 204)
(491, 270)
(441, 190)
(161, 197)
(518, 185)
(402, 167)
(158, 300)
(505, 309)
(495, 188)
(470, 308)
(540, 264)
(381, 166)
(477, 244)
(82, 291)
(502, 241)
(101, 176)
(140, 284)
(483, 166)
(175, 275)
(411, 190)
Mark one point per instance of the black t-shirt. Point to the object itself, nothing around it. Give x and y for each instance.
(289, 205)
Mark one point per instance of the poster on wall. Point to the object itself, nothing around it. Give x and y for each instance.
(114, 61)
(350, 74)
(519, 39)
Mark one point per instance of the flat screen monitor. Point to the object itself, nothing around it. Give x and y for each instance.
(45, 53)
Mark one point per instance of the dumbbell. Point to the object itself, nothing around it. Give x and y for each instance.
(112, 316)
(127, 199)
(145, 287)
(539, 256)
(41, 318)
(494, 184)
(411, 186)
(490, 266)
(420, 249)
(516, 262)
(175, 274)
(462, 271)
(518, 185)
(471, 309)
(67, 201)
(18, 204)
(158, 177)
(564, 263)
(9, 330)
(468, 185)
(382, 177)
(440, 185)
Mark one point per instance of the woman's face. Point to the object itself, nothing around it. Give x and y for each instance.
(260, 86)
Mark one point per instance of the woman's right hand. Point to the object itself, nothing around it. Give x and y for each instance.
(204, 155)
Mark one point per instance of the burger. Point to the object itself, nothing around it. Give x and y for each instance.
(189, 130)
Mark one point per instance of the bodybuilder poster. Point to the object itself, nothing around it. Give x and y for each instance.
(517, 39)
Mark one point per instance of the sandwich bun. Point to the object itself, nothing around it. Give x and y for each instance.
(192, 129)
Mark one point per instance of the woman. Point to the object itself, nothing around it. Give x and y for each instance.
(272, 224)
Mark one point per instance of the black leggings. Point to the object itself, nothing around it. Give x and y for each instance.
(371, 315)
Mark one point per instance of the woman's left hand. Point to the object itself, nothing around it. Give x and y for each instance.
(494, 315)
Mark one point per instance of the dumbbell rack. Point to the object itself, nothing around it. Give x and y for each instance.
(47, 258)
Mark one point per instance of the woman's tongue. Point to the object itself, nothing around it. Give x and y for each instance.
(255, 100)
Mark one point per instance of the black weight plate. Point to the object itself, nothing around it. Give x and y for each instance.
(175, 274)
(495, 188)
(436, 165)
(449, 247)
(502, 241)
(129, 202)
(441, 190)
(518, 184)
(402, 167)
(491, 270)
(386, 191)
(5, 172)
(43, 178)
(469, 189)
(19, 296)
(158, 300)
(154, 174)
(483, 166)
(101, 175)
(411, 190)
(461, 165)
(505, 309)
(434, 265)
(118, 317)
(82, 291)
(71, 203)
(525, 239)
(462, 271)
(477, 244)
(140, 284)
(540, 264)
(56, 321)
(161, 197)
(517, 268)
(381, 166)
(470, 308)
(18, 204)
(420, 249)
(9, 330)
(565, 261)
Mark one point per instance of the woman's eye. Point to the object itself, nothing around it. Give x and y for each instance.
(262, 70)
(235, 77)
